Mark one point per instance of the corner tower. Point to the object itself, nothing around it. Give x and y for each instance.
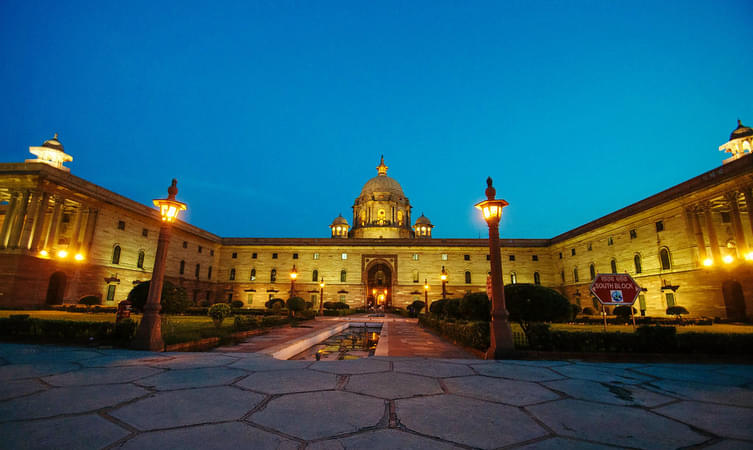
(740, 142)
(382, 210)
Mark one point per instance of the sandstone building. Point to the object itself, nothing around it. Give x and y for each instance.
(62, 238)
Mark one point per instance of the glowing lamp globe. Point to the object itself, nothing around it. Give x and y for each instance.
(426, 285)
(169, 207)
(491, 207)
(443, 275)
(293, 274)
(321, 283)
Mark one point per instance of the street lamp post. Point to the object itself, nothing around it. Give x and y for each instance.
(501, 339)
(321, 296)
(149, 333)
(426, 296)
(443, 277)
(293, 276)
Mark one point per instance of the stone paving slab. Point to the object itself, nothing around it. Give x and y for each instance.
(78, 432)
(241, 399)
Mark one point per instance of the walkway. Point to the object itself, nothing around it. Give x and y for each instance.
(67, 397)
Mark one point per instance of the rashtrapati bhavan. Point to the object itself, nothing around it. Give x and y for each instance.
(63, 238)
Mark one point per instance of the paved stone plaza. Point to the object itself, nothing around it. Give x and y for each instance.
(68, 397)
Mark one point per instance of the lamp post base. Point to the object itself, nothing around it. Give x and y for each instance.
(149, 333)
(502, 343)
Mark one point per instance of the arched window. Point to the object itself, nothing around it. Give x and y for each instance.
(209, 273)
(253, 275)
(467, 277)
(575, 274)
(637, 261)
(513, 278)
(666, 263)
(315, 275)
(273, 276)
(613, 265)
(343, 276)
(198, 270)
(232, 274)
(140, 261)
(182, 267)
(536, 278)
(592, 271)
(562, 275)
(116, 255)
(400, 218)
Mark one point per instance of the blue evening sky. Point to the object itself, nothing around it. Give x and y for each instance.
(272, 115)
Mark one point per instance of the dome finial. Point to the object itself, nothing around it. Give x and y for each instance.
(56, 135)
(739, 123)
(382, 168)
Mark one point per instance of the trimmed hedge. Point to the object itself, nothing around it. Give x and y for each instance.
(471, 334)
(66, 331)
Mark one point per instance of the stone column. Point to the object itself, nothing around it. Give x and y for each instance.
(737, 223)
(91, 224)
(39, 221)
(74, 229)
(713, 241)
(50, 241)
(699, 241)
(10, 215)
(80, 234)
(748, 192)
(18, 224)
(28, 227)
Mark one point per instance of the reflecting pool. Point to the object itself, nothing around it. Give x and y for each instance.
(352, 343)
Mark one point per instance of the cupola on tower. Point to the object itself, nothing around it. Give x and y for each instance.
(382, 210)
(740, 142)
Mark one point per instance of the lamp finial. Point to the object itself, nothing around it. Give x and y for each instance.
(172, 191)
(490, 191)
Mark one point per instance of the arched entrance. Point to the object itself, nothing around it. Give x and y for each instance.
(56, 288)
(379, 284)
(734, 300)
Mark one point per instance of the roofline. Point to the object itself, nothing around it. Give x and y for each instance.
(336, 242)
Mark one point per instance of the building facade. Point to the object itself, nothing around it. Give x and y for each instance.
(63, 238)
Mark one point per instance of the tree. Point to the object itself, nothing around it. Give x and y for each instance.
(677, 311)
(90, 300)
(415, 308)
(296, 304)
(174, 298)
(475, 307)
(529, 303)
(218, 312)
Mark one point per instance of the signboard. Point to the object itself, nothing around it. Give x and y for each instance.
(489, 287)
(615, 289)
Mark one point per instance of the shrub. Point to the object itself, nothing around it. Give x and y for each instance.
(342, 305)
(471, 334)
(245, 323)
(415, 308)
(437, 307)
(89, 301)
(677, 311)
(574, 311)
(218, 312)
(529, 303)
(124, 331)
(296, 304)
(452, 308)
(204, 303)
(174, 299)
(475, 307)
(623, 312)
(309, 305)
(588, 311)
(656, 338)
(275, 303)
(329, 305)
(236, 304)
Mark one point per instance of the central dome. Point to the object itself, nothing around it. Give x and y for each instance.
(382, 184)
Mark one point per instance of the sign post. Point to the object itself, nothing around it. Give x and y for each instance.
(615, 289)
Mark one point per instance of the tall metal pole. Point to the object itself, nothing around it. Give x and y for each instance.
(501, 340)
(426, 296)
(321, 297)
(149, 334)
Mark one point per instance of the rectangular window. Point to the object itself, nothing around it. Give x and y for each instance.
(534, 257)
(670, 296)
(610, 241)
(572, 252)
(444, 256)
(211, 252)
(209, 273)
(314, 299)
(415, 257)
(185, 244)
(725, 217)
(121, 225)
(145, 232)
(253, 255)
(488, 257)
(316, 255)
(198, 269)
(633, 234)
(295, 255)
(342, 298)
(274, 255)
(659, 226)
(229, 297)
(232, 274)
(512, 257)
(467, 257)
(235, 255)
(200, 249)
(344, 256)
(249, 299)
(590, 247)
(111, 292)
(560, 255)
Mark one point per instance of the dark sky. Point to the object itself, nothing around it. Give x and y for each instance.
(272, 115)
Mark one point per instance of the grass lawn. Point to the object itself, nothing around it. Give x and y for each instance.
(175, 329)
(715, 328)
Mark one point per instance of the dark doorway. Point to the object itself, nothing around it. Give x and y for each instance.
(56, 288)
(734, 300)
(379, 285)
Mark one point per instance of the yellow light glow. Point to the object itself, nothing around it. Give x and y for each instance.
(749, 256)
(79, 257)
(62, 254)
(728, 259)
(321, 284)
(708, 262)
(293, 275)
(426, 286)
(44, 253)
(169, 209)
(443, 277)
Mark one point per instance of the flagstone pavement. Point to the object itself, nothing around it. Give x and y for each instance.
(68, 397)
